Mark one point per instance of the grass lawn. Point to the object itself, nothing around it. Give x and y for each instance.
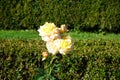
(20, 34)
(94, 36)
(32, 34)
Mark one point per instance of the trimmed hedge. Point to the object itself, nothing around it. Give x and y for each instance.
(90, 59)
(80, 14)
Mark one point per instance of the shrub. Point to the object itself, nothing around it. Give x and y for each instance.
(90, 59)
(80, 15)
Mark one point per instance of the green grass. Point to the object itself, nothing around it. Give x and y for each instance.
(94, 36)
(20, 34)
(32, 34)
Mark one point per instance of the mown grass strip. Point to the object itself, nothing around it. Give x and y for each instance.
(20, 34)
(94, 36)
(33, 34)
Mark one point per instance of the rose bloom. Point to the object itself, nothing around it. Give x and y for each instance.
(49, 31)
(64, 45)
(52, 47)
(51, 37)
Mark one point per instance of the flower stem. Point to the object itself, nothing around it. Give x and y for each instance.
(49, 66)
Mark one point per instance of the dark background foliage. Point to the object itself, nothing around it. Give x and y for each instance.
(86, 15)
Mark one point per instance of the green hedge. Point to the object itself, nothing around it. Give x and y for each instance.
(90, 59)
(77, 14)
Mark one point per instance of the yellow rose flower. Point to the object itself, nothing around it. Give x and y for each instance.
(49, 31)
(64, 45)
(51, 37)
(51, 47)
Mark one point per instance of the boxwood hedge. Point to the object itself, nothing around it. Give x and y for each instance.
(90, 59)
